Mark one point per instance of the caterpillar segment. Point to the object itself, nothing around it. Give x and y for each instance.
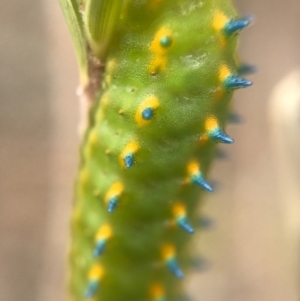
(170, 75)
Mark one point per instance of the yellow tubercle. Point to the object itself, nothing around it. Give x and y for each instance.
(116, 189)
(104, 232)
(96, 272)
(150, 102)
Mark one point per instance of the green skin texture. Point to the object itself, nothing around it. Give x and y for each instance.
(132, 259)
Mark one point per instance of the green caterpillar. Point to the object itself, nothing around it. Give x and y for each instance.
(170, 72)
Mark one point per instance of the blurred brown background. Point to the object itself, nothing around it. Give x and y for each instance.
(253, 246)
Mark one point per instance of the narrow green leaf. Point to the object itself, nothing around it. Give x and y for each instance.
(74, 21)
(101, 20)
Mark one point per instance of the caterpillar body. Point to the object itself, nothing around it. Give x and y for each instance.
(169, 76)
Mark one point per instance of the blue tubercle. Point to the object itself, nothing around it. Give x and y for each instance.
(129, 160)
(236, 82)
(220, 136)
(234, 26)
(183, 223)
(100, 246)
(199, 180)
(91, 289)
(112, 204)
(147, 113)
(174, 268)
(165, 41)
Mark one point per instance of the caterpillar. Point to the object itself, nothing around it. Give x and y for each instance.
(170, 70)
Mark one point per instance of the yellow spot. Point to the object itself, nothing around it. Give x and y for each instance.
(157, 291)
(96, 272)
(115, 190)
(168, 251)
(150, 102)
(104, 232)
(159, 62)
(193, 168)
(178, 210)
(211, 123)
(107, 152)
(131, 148)
(219, 21)
(156, 47)
(224, 72)
(121, 112)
